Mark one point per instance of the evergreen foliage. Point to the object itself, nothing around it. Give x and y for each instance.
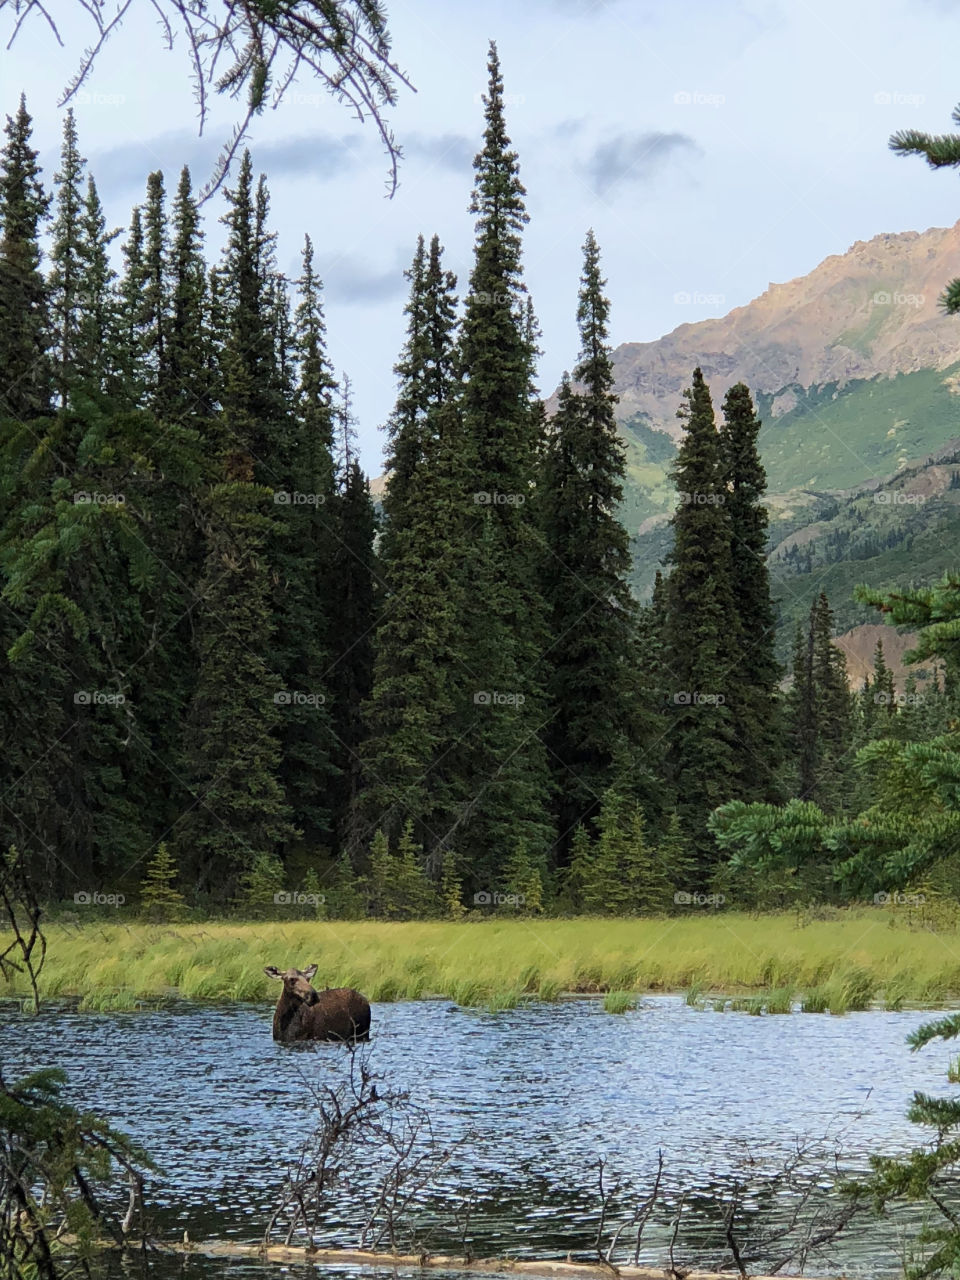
(702, 633)
(220, 662)
(159, 899)
(594, 677)
(753, 682)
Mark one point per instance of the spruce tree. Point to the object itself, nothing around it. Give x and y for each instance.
(754, 680)
(451, 888)
(232, 748)
(820, 713)
(66, 258)
(648, 890)
(302, 551)
(702, 632)
(674, 861)
(355, 585)
(415, 897)
(95, 356)
(832, 710)
(159, 899)
(802, 714)
(523, 882)
(254, 419)
(419, 675)
(606, 890)
(502, 755)
(378, 883)
(577, 877)
(155, 298)
(260, 885)
(25, 373)
(592, 661)
(185, 392)
(128, 388)
(883, 689)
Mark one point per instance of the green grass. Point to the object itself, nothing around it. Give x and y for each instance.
(840, 964)
(619, 1001)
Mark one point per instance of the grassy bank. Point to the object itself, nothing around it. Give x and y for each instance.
(860, 957)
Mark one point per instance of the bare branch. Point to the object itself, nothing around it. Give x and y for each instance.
(344, 43)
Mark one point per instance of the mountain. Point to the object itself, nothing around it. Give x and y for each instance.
(855, 370)
(867, 313)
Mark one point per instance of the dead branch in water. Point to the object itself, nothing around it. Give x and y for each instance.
(806, 1216)
(375, 1146)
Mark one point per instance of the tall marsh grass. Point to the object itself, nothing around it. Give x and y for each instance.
(834, 965)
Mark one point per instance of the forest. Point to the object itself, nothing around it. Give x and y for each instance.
(233, 682)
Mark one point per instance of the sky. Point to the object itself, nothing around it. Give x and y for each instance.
(714, 146)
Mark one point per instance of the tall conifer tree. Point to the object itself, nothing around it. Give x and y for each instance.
(355, 583)
(419, 677)
(66, 258)
(593, 666)
(702, 635)
(232, 747)
(754, 680)
(25, 372)
(502, 754)
(302, 550)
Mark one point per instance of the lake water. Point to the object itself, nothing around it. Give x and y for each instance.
(527, 1100)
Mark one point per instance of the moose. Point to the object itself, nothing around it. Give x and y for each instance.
(304, 1013)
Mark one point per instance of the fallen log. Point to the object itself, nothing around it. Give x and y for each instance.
(445, 1262)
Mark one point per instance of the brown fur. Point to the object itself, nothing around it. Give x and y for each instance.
(303, 1013)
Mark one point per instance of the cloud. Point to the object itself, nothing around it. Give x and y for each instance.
(635, 157)
(446, 151)
(126, 166)
(356, 282)
(569, 127)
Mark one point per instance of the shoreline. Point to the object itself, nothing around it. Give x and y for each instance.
(856, 959)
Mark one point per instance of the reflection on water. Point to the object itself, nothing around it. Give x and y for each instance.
(534, 1095)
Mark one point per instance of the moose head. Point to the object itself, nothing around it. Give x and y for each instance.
(296, 984)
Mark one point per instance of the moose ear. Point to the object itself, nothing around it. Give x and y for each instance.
(272, 971)
(309, 971)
